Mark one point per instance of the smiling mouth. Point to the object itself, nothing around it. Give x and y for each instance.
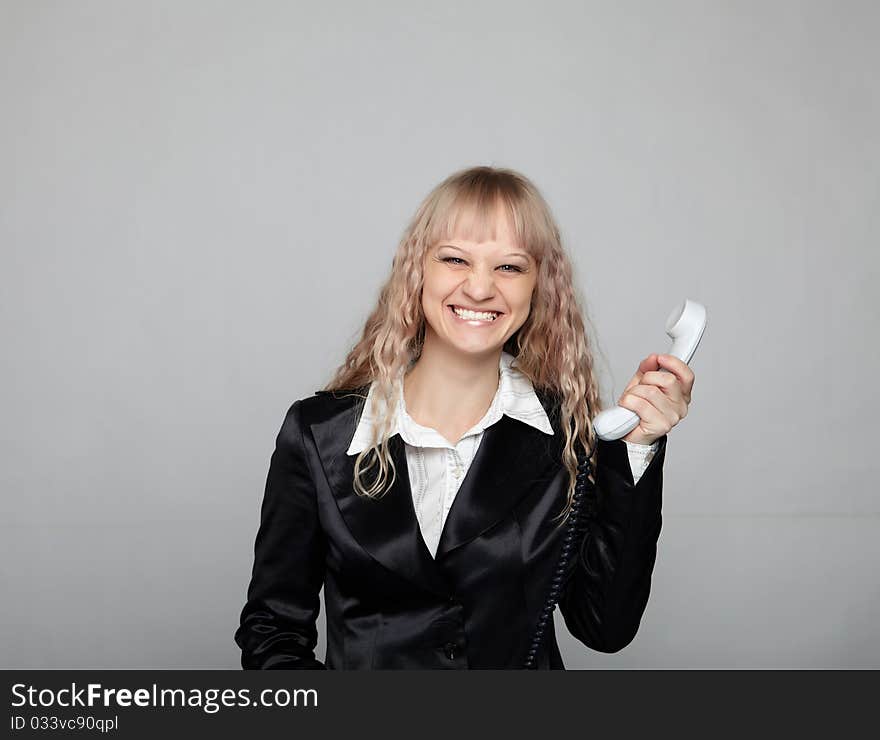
(495, 315)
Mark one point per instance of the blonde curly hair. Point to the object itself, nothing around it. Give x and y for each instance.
(552, 347)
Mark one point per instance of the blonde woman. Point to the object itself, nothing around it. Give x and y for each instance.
(427, 486)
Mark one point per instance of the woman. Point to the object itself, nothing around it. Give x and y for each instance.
(426, 487)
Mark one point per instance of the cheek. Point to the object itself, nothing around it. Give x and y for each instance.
(436, 286)
(430, 295)
(432, 301)
(524, 298)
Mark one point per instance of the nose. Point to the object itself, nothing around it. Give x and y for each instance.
(480, 284)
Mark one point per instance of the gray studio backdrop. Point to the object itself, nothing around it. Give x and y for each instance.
(200, 200)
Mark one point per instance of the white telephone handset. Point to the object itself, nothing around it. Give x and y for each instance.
(685, 325)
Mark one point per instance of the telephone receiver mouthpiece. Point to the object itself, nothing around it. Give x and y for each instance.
(685, 326)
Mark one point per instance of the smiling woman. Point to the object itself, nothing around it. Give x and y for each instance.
(425, 485)
(474, 285)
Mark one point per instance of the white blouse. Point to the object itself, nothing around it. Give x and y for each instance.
(437, 467)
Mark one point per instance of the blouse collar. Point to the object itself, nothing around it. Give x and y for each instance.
(515, 397)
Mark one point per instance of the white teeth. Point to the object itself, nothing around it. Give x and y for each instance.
(475, 315)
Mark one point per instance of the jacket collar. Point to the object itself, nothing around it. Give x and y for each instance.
(513, 459)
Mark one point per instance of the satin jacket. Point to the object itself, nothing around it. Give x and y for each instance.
(389, 604)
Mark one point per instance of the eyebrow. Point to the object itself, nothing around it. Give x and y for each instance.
(509, 254)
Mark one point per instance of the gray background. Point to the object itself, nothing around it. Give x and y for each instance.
(200, 200)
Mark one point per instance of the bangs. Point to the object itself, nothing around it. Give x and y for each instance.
(473, 218)
(475, 215)
(471, 204)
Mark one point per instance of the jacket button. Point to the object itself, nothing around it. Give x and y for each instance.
(449, 648)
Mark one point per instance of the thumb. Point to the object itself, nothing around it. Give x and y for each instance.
(649, 364)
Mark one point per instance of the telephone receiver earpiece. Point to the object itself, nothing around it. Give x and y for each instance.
(685, 326)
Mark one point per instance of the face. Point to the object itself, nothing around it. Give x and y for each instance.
(497, 277)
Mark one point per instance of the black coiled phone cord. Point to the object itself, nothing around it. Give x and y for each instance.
(568, 545)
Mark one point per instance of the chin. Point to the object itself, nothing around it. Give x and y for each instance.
(476, 349)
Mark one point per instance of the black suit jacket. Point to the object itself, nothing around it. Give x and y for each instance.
(389, 603)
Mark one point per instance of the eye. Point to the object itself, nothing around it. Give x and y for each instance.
(457, 260)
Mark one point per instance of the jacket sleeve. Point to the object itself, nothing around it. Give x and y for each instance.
(610, 578)
(277, 627)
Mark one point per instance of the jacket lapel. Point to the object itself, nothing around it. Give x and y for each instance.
(385, 527)
(511, 457)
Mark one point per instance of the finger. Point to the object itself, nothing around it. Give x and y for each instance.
(670, 411)
(679, 369)
(649, 364)
(651, 418)
(671, 386)
(668, 382)
(633, 381)
(655, 396)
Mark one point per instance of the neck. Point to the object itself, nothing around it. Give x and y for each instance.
(451, 387)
